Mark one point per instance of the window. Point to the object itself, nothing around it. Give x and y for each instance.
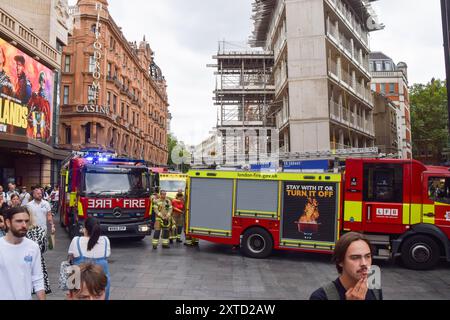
(68, 135)
(91, 64)
(387, 66)
(378, 66)
(66, 95)
(383, 183)
(122, 110)
(108, 100)
(112, 43)
(115, 104)
(59, 45)
(94, 28)
(383, 88)
(373, 86)
(87, 133)
(391, 88)
(109, 70)
(439, 189)
(67, 61)
(91, 94)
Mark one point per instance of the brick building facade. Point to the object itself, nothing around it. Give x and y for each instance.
(113, 95)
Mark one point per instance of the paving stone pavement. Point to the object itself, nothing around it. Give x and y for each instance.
(218, 272)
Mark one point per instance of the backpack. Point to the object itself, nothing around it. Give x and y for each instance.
(332, 292)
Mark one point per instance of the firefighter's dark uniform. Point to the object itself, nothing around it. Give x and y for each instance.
(163, 213)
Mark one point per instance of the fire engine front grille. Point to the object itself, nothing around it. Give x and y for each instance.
(117, 215)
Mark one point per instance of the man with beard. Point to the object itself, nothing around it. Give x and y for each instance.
(23, 87)
(353, 259)
(20, 259)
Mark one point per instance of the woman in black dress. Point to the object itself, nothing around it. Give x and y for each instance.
(39, 235)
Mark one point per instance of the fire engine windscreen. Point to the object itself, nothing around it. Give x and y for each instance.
(117, 181)
(172, 185)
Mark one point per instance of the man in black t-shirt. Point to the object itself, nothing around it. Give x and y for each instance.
(353, 259)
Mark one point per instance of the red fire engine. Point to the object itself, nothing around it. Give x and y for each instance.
(402, 206)
(113, 190)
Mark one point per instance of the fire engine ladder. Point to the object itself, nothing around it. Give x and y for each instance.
(323, 155)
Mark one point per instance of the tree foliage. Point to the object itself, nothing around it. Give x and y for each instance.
(429, 117)
(173, 143)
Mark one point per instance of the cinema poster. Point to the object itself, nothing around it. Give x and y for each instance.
(310, 211)
(26, 95)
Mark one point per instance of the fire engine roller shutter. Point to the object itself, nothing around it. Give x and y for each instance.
(257, 198)
(211, 206)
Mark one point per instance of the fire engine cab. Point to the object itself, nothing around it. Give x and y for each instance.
(402, 206)
(113, 190)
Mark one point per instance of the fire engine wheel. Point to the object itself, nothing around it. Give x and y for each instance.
(420, 253)
(257, 243)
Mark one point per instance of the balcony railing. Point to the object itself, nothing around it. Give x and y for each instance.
(350, 20)
(14, 28)
(341, 41)
(360, 90)
(332, 67)
(348, 118)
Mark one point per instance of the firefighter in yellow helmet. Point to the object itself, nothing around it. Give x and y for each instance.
(163, 212)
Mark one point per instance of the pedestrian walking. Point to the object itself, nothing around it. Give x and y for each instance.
(93, 282)
(46, 193)
(92, 248)
(39, 236)
(3, 204)
(54, 199)
(20, 259)
(353, 259)
(11, 191)
(2, 192)
(2, 226)
(178, 215)
(42, 210)
(15, 201)
(163, 213)
(25, 197)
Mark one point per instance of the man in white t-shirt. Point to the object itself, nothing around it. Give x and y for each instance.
(24, 196)
(20, 260)
(42, 210)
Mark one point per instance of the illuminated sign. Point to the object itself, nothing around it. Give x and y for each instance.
(26, 95)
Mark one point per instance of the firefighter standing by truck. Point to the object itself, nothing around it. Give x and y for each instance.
(178, 216)
(163, 214)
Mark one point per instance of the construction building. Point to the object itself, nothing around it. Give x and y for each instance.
(391, 80)
(244, 92)
(323, 100)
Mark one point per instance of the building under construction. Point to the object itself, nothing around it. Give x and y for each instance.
(244, 91)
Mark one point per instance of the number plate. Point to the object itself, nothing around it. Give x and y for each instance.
(117, 228)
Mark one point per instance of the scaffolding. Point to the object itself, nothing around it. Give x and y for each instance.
(244, 91)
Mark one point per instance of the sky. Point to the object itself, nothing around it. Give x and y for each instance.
(185, 33)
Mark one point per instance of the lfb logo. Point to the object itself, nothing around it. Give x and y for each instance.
(387, 213)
